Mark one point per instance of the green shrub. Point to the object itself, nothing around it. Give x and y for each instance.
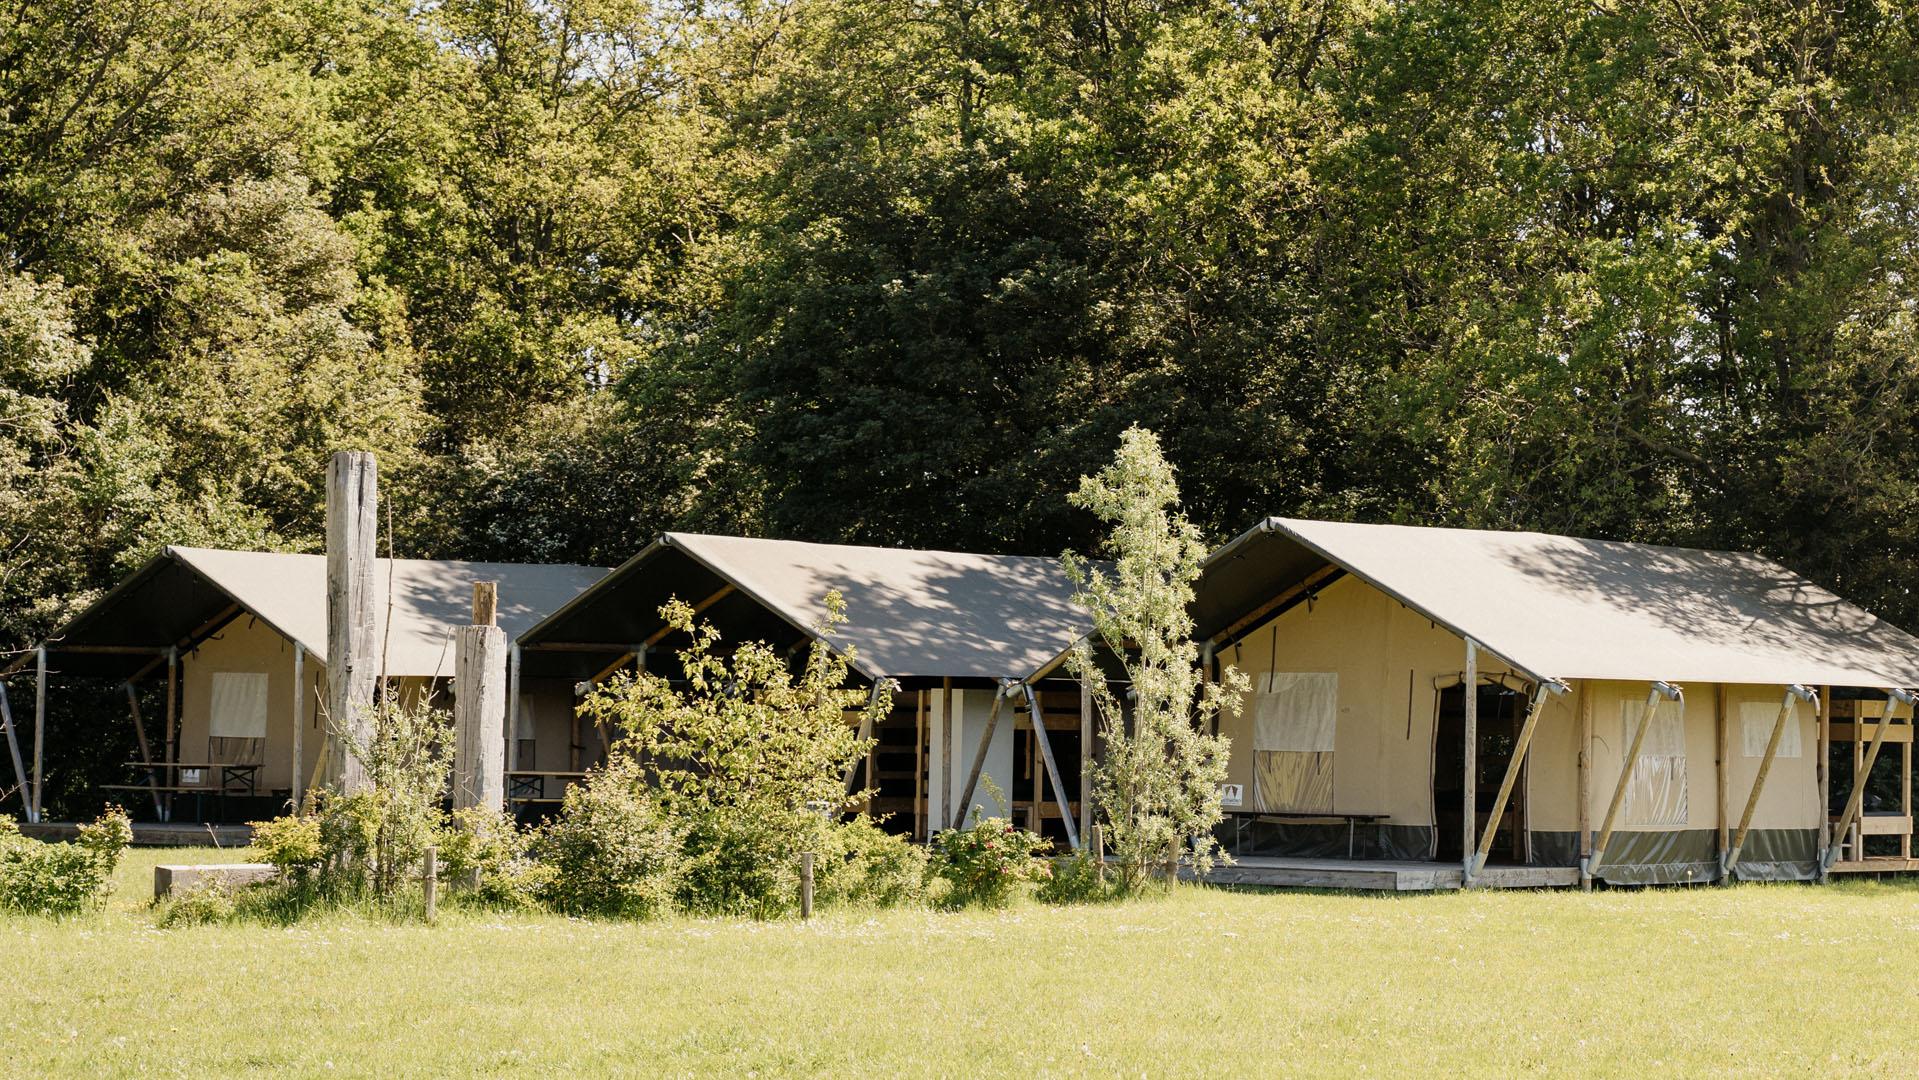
(1077, 879)
(984, 864)
(743, 863)
(292, 843)
(486, 855)
(211, 901)
(609, 850)
(61, 879)
(861, 864)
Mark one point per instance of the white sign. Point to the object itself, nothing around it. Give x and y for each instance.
(1232, 795)
(189, 777)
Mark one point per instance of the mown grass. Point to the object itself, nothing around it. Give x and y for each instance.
(1755, 981)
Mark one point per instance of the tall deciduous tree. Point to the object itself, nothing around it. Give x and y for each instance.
(1158, 779)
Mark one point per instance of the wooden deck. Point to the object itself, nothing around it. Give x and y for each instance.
(1383, 875)
(155, 833)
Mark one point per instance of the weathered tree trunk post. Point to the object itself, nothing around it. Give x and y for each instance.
(353, 662)
(479, 706)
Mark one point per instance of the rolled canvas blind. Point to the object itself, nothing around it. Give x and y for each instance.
(1657, 793)
(1294, 720)
(1755, 729)
(239, 705)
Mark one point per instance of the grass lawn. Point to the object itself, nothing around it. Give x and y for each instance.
(1755, 980)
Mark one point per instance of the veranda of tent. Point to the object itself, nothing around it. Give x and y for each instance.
(956, 633)
(1359, 639)
(238, 639)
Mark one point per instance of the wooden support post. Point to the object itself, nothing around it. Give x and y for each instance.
(353, 660)
(295, 784)
(979, 757)
(13, 749)
(866, 732)
(513, 708)
(1626, 767)
(1521, 747)
(486, 603)
(1859, 778)
(1086, 754)
(39, 728)
(919, 767)
(1469, 812)
(172, 733)
(1585, 765)
(1096, 843)
(479, 713)
(947, 722)
(1821, 765)
(430, 882)
(806, 884)
(1786, 714)
(146, 748)
(1721, 762)
(1052, 769)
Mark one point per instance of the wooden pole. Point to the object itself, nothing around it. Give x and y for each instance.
(486, 603)
(353, 662)
(1857, 798)
(1469, 812)
(947, 723)
(13, 750)
(513, 709)
(172, 733)
(866, 732)
(919, 766)
(1585, 764)
(430, 882)
(146, 748)
(806, 884)
(297, 783)
(1821, 775)
(39, 727)
(479, 716)
(979, 756)
(1052, 769)
(1096, 843)
(1722, 763)
(1086, 753)
(1521, 747)
(1626, 767)
(1759, 782)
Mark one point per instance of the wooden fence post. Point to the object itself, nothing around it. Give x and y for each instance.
(806, 884)
(430, 880)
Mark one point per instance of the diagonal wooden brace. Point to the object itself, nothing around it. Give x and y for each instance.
(1858, 796)
(1794, 694)
(1521, 747)
(1626, 767)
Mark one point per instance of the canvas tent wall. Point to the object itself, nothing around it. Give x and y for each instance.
(1352, 635)
(232, 628)
(948, 627)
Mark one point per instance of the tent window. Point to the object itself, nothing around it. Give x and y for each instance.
(1657, 793)
(239, 705)
(1294, 716)
(1755, 729)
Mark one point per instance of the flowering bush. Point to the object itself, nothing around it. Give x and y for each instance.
(984, 864)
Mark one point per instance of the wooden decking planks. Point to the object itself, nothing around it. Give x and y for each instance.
(1383, 875)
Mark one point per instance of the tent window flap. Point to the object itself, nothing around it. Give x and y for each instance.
(1294, 721)
(239, 705)
(1657, 793)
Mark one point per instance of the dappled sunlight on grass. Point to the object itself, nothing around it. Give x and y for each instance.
(1755, 980)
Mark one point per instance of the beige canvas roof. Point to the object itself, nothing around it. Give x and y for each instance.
(180, 589)
(1565, 608)
(910, 613)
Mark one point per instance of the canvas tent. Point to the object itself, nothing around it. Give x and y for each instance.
(238, 638)
(950, 629)
(1361, 642)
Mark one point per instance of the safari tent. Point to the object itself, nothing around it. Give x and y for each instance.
(1437, 706)
(237, 640)
(957, 634)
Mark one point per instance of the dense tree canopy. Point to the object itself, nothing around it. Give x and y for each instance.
(901, 271)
